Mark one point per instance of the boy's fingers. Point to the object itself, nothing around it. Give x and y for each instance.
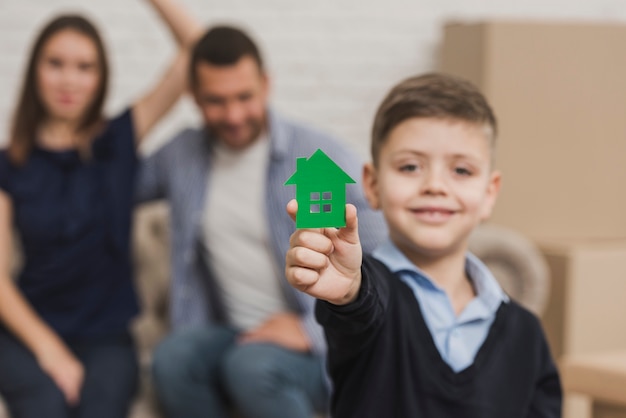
(311, 239)
(292, 209)
(301, 278)
(307, 258)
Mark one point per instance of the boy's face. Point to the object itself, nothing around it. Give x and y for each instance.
(434, 184)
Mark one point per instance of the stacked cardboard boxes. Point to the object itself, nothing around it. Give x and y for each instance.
(559, 92)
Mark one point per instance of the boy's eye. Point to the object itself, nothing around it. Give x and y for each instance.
(408, 168)
(462, 171)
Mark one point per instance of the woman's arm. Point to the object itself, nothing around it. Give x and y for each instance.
(184, 27)
(20, 318)
(161, 97)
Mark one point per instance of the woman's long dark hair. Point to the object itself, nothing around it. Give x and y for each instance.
(31, 112)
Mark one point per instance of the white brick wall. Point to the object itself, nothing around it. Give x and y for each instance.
(331, 61)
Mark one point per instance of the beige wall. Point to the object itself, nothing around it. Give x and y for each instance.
(332, 60)
(559, 92)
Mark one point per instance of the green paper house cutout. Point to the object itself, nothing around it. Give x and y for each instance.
(320, 192)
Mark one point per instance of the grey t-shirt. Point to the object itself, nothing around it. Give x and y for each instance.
(236, 235)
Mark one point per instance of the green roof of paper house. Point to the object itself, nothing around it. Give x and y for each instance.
(320, 192)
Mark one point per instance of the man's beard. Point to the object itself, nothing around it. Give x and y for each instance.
(251, 127)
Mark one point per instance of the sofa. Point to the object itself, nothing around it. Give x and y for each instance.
(515, 261)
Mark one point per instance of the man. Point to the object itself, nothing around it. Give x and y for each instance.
(242, 336)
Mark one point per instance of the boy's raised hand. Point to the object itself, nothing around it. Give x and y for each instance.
(326, 262)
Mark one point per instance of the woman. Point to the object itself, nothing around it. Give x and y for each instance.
(66, 187)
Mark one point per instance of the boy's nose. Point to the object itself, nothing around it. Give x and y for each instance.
(434, 183)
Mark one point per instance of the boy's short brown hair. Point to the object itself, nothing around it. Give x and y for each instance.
(433, 95)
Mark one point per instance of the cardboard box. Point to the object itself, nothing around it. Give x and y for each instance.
(587, 303)
(559, 92)
(586, 307)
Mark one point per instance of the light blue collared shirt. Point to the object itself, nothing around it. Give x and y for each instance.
(458, 338)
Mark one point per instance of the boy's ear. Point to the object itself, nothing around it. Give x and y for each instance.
(370, 185)
(493, 189)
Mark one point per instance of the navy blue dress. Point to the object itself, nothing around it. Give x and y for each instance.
(74, 222)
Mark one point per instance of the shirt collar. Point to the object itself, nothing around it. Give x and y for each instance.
(488, 289)
(279, 139)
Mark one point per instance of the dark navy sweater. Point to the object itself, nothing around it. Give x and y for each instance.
(384, 362)
(73, 217)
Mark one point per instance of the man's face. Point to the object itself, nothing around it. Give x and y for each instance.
(232, 100)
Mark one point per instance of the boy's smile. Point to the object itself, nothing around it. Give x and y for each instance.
(434, 184)
(433, 214)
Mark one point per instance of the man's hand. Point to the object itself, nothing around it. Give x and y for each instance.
(282, 329)
(326, 263)
(65, 370)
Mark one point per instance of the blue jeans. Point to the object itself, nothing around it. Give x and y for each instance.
(203, 372)
(111, 373)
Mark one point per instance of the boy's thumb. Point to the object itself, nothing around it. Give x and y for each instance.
(350, 232)
(292, 209)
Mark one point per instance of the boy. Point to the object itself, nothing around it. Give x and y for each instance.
(421, 328)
